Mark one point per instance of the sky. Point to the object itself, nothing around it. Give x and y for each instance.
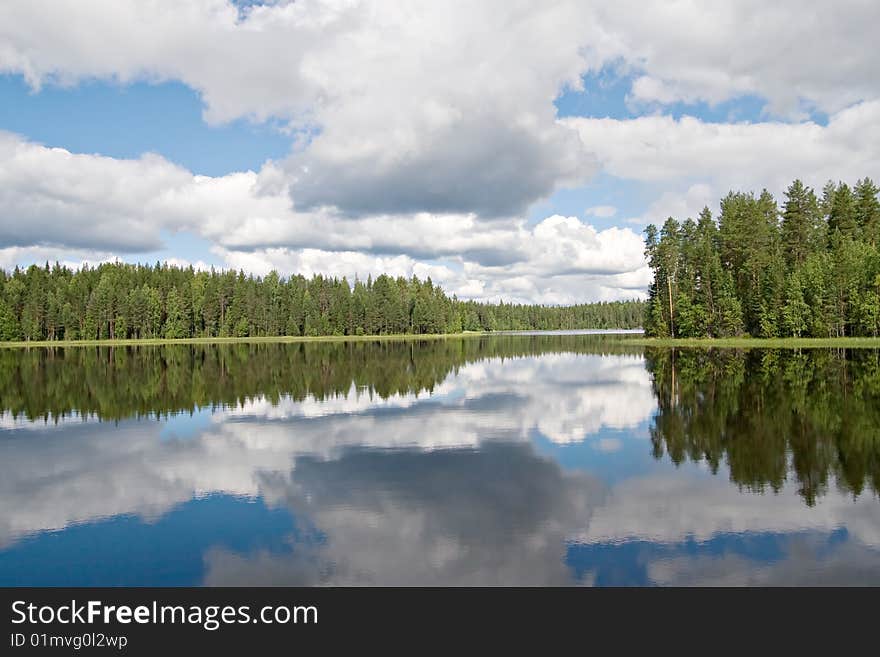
(509, 150)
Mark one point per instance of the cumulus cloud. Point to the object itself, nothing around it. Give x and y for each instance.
(797, 55)
(440, 108)
(429, 107)
(661, 148)
(423, 68)
(13, 256)
(558, 260)
(682, 205)
(77, 207)
(51, 197)
(527, 281)
(701, 161)
(423, 132)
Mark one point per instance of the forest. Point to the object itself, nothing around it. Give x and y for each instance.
(808, 269)
(124, 301)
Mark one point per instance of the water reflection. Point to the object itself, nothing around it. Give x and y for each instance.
(498, 515)
(505, 460)
(773, 416)
(123, 382)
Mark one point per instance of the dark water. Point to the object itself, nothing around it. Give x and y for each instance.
(547, 460)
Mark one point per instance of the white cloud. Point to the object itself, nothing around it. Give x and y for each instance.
(698, 162)
(440, 107)
(433, 107)
(315, 261)
(13, 256)
(51, 197)
(798, 55)
(683, 205)
(536, 279)
(661, 149)
(75, 207)
(570, 260)
(422, 132)
(601, 211)
(326, 61)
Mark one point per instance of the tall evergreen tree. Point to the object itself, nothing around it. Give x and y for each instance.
(867, 210)
(801, 227)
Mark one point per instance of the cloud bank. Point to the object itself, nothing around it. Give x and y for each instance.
(422, 134)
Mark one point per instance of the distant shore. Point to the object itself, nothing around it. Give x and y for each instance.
(767, 343)
(388, 337)
(135, 342)
(629, 335)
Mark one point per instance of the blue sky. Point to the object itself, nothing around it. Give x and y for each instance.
(126, 120)
(308, 138)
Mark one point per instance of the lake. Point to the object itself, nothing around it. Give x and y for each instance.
(501, 460)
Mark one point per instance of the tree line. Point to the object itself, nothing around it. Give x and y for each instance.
(121, 301)
(809, 269)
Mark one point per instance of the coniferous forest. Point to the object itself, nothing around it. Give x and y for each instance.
(808, 269)
(123, 301)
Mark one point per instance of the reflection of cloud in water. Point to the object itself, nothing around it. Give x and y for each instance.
(666, 518)
(608, 445)
(53, 479)
(499, 515)
(808, 560)
(566, 397)
(671, 508)
(354, 401)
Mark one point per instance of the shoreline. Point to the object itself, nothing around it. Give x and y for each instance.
(626, 335)
(765, 343)
(148, 342)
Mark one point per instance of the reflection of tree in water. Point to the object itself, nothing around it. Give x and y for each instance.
(766, 413)
(120, 382)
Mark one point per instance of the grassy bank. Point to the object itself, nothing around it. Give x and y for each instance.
(271, 339)
(765, 343)
(705, 343)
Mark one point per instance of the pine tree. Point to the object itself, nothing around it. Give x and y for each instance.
(795, 314)
(175, 323)
(842, 216)
(801, 231)
(867, 210)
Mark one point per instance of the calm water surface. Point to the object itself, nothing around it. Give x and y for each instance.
(545, 460)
